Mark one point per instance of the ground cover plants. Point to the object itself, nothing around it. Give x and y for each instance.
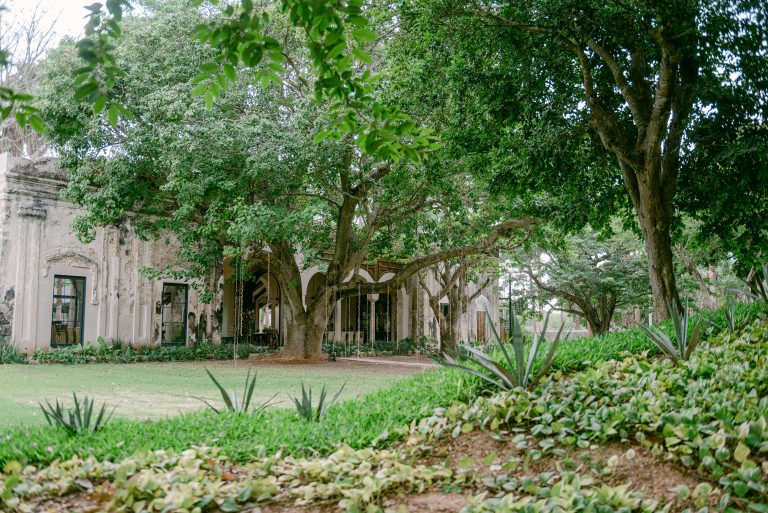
(576, 441)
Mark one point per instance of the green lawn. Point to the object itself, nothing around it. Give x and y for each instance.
(156, 390)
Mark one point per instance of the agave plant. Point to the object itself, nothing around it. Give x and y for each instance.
(682, 347)
(731, 323)
(80, 418)
(230, 400)
(305, 407)
(508, 373)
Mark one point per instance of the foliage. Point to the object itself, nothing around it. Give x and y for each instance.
(10, 353)
(708, 413)
(716, 429)
(508, 373)
(231, 402)
(684, 343)
(226, 182)
(333, 35)
(305, 407)
(550, 99)
(124, 353)
(78, 418)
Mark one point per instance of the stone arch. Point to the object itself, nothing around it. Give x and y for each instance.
(315, 281)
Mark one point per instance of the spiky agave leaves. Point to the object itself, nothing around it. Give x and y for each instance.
(231, 402)
(510, 372)
(78, 418)
(683, 346)
(305, 408)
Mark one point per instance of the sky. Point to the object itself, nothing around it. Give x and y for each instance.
(69, 14)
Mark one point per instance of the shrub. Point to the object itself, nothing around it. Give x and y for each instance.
(305, 408)
(124, 353)
(10, 353)
(231, 402)
(507, 373)
(76, 419)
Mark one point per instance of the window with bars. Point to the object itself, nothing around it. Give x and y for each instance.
(68, 311)
(174, 314)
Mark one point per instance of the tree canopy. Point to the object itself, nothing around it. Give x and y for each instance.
(579, 110)
(247, 177)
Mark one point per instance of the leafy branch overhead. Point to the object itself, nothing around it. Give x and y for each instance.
(335, 35)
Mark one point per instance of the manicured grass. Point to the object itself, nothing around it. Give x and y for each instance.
(242, 437)
(155, 390)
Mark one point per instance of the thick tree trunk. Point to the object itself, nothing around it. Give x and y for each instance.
(449, 332)
(651, 197)
(658, 246)
(597, 326)
(304, 334)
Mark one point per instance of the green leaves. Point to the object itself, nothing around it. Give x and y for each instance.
(507, 373)
(364, 34)
(78, 418)
(306, 409)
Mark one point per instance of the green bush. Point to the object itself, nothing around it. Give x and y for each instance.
(405, 346)
(123, 353)
(10, 353)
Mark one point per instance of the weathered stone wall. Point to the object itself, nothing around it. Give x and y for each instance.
(37, 243)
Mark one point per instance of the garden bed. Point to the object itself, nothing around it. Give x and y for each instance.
(638, 435)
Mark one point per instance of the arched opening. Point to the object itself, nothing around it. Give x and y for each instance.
(355, 314)
(385, 315)
(261, 318)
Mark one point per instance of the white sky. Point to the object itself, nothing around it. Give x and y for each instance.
(69, 14)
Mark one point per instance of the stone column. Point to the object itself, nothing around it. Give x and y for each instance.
(27, 279)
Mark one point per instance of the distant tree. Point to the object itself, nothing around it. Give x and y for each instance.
(590, 277)
(452, 280)
(22, 45)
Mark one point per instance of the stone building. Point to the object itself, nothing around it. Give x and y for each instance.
(57, 291)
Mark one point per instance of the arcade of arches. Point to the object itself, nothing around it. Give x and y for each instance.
(390, 316)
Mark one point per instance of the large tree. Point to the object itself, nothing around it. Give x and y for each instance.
(571, 101)
(247, 177)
